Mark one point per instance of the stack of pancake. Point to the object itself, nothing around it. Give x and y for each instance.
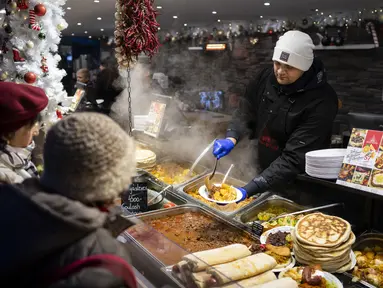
(324, 240)
(146, 159)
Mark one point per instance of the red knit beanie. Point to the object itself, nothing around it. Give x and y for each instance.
(19, 104)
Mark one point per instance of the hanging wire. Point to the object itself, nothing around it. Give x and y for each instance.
(130, 103)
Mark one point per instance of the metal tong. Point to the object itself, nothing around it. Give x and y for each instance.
(159, 194)
(305, 211)
(200, 157)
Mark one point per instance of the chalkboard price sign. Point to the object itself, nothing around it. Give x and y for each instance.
(257, 228)
(135, 200)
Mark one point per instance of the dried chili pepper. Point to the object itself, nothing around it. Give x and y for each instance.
(136, 29)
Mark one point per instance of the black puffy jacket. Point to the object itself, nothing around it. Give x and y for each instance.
(43, 232)
(288, 121)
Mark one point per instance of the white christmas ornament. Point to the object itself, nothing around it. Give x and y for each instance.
(30, 44)
(26, 48)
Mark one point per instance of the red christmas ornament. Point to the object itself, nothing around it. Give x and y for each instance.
(40, 10)
(30, 77)
(59, 114)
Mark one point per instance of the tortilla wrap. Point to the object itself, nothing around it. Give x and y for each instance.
(242, 269)
(201, 279)
(201, 260)
(280, 283)
(257, 280)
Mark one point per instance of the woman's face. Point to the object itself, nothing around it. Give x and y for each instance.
(23, 137)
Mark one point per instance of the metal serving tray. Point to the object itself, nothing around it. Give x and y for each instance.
(274, 200)
(368, 240)
(177, 211)
(169, 196)
(199, 169)
(183, 190)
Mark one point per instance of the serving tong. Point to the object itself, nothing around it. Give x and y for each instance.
(200, 157)
(159, 194)
(306, 211)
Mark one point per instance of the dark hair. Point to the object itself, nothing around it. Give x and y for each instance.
(104, 83)
(3, 136)
(110, 63)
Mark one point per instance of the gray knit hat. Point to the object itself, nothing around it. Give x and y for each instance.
(89, 158)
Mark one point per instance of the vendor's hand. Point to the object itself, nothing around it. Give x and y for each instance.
(222, 147)
(244, 194)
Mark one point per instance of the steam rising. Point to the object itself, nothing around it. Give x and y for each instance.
(199, 73)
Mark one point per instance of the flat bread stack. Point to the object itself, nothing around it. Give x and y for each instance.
(229, 267)
(324, 240)
(145, 159)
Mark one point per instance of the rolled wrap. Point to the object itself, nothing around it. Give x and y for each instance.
(256, 280)
(242, 269)
(280, 283)
(201, 260)
(201, 279)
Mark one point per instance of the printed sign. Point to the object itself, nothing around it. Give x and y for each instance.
(257, 228)
(76, 99)
(155, 118)
(363, 163)
(135, 200)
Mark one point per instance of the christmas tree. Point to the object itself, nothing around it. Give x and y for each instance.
(30, 35)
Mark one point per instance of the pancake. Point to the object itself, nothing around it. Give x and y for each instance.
(322, 230)
(322, 250)
(321, 259)
(145, 158)
(324, 240)
(324, 253)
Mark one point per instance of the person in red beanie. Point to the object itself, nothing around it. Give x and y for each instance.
(20, 107)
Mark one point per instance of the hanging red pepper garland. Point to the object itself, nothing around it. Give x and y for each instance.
(136, 28)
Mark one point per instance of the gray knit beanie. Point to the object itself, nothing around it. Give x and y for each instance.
(89, 158)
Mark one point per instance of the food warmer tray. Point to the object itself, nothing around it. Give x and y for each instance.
(176, 211)
(347, 282)
(367, 240)
(199, 169)
(274, 200)
(231, 181)
(158, 186)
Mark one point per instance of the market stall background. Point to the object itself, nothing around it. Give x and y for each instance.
(175, 146)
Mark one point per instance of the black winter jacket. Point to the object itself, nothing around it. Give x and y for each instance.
(288, 121)
(44, 232)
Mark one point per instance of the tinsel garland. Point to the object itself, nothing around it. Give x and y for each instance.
(136, 29)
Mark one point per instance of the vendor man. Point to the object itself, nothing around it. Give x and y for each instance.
(290, 109)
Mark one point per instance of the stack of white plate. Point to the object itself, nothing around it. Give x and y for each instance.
(325, 164)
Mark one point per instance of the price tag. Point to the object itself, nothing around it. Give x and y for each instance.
(135, 200)
(257, 228)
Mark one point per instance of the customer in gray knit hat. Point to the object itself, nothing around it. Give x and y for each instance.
(88, 157)
(89, 161)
